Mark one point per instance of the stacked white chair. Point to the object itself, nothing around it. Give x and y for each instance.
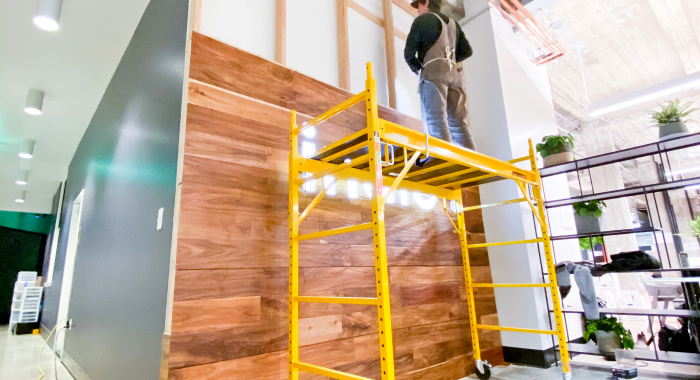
(26, 299)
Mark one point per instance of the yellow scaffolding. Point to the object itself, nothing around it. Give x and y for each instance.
(375, 154)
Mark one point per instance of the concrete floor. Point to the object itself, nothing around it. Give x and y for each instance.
(19, 358)
(515, 372)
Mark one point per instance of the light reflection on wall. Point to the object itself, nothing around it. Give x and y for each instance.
(425, 201)
(354, 189)
(327, 181)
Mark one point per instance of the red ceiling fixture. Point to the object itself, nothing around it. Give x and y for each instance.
(528, 25)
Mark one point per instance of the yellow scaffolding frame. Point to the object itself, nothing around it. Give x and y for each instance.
(360, 156)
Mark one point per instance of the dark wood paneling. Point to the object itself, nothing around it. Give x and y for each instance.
(231, 307)
(230, 68)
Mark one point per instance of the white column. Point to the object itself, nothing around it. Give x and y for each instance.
(510, 102)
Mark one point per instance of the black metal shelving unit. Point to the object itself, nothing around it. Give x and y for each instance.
(665, 184)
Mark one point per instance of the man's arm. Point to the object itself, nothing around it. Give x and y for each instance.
(425, 30)
(464, 50)
(410, 53)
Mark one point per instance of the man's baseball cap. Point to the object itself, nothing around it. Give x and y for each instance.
(414, 3)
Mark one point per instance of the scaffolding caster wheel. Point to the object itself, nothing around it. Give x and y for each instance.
(483, 370)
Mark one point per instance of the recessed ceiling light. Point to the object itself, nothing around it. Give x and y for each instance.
(48, 14)
(23, 178)
(21, 197)
(35, 102)
(27, 150)
(347, 160)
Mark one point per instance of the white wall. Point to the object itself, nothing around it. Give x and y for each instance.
(312, 42)
(367, 45)
(312, 45)
(510, 102)
(248, 25)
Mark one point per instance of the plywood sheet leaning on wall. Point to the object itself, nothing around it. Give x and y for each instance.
(230, 309)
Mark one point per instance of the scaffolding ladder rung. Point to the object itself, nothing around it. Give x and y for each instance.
(341, 300)
(494, 204)
(337, 231)
(327, 372)
(511, 285)
(506, 243)
(516, 329)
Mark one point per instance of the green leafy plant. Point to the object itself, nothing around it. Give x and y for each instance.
(694, 228)
(585, 243)
(594, 208)
(609, 325)
(672, 112)
(554, 144)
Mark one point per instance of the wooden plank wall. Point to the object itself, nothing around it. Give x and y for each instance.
(230, 309)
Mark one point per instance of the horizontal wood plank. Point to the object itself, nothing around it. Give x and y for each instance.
(214, 314)
(231, 285)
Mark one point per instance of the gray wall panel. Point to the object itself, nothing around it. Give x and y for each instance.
(126, 163)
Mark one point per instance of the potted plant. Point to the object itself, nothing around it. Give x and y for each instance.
(585, 243)
(556, 149)
(587, 216)
(694, 228)
(610, 335)
(671, 119)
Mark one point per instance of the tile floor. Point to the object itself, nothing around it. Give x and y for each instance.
(19, 358)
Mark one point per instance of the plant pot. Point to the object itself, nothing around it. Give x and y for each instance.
(669, 131)
(566, 155)
(587, 224)
(558, 158)
(608, 342)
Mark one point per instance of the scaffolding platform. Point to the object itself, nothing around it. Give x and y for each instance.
(451, 167)
(385, 153)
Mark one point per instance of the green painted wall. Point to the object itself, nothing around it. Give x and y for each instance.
(39, 223)
(19, 251)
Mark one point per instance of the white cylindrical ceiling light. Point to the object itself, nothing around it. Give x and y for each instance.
(23, 178)
(35, 102)
(21, 196)
(27, 150)
(48, 14)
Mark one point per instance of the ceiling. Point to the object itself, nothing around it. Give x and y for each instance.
(73, 66)
(615, 47)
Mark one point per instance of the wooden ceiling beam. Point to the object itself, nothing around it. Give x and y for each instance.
(406, 6)
(374, 18)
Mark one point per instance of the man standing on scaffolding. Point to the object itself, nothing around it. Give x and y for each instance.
(434, 47)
